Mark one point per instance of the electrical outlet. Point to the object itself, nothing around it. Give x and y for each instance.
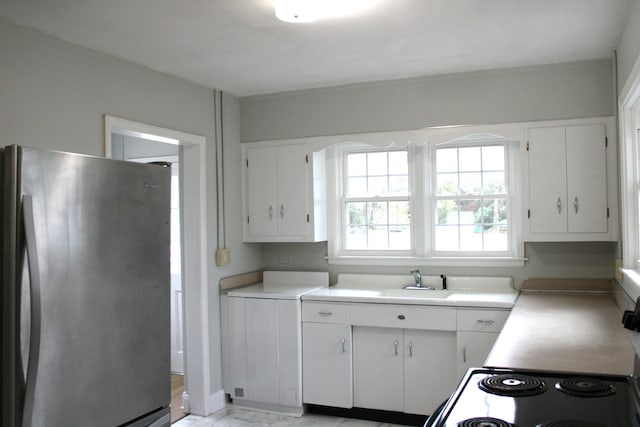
(618, 269)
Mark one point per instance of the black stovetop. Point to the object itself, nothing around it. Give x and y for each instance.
(490, 397)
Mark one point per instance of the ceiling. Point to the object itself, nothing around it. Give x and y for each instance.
(240, 47)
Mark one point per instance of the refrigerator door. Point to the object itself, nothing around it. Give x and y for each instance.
(99, 333)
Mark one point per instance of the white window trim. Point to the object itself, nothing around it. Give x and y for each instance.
(629, 120)
(421, 209)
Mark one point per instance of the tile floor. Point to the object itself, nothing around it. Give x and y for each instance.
(232, 416)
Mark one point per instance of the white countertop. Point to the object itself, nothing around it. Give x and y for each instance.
(283, 285)
(489, 292)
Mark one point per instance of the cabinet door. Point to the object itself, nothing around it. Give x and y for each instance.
(473, 349)
(547, 180)
(327, 370)
(586, 179)
(378, 368)
(429, 369)
(292, 181)
(263, 383)
(237, 351)
(262, 206)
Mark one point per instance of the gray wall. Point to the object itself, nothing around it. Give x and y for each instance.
(629, 44)
(54, 95)
(536, 93)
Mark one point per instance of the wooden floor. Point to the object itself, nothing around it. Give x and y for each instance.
(177, 387)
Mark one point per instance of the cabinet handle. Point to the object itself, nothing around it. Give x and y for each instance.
(342, 343)
(559, 205)
(282, 211)
(324, 313)
(575, 203)
(464, 354)
(270, 212)
(410, 349)
(485, 322)
(395, 344)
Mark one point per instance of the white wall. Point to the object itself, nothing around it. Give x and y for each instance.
(54, 95)
(629, 44)
(561, 91)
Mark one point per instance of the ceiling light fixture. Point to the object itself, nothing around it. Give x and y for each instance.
(312, 10)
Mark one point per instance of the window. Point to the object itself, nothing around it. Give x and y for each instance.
(471, 200)
(376, 202)
(440, 203)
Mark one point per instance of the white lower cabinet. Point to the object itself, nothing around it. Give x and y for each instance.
(327, 364)
(478, 330)
(404, 370)
(265, 341)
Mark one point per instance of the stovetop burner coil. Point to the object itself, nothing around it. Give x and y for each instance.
(484, 422)
(570, 423)
(513, 385)
(585, 387)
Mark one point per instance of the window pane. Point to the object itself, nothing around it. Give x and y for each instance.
(447, 160)
(377, 186)
(377, 163)
(468, 209)
(357, 187)
(357, 164)
(447, 184)
(447, 212)
(356, 238)
(496, 238)
(470, 183)
(493, 183)
(399, 185)
(378, 237)
(399, 237)
(469, 159)
(398, 163)
(446, 238)
(399, 213)
(470, 238)
(356, 213)
(493, 158)
(377, 213)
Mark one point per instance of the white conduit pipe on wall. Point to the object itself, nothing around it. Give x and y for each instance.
(223, 256)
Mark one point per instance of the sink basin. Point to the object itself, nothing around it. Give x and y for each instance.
(417, 293)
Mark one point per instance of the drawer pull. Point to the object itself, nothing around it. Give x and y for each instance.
(342, 342)
(410, 349)
(326, 313)
(401, 317)
(485, 322)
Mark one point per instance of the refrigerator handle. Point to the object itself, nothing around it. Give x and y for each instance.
(34, 279)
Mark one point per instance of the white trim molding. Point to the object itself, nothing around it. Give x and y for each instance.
(195, 255)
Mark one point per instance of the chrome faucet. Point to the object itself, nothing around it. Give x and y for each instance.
(417, 277)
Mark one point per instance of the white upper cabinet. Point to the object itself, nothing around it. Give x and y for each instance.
(570, 183)
(284, 193)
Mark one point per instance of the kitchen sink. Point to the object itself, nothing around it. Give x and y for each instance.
(417, 293)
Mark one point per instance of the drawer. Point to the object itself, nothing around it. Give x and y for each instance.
(482, 320)
(325, 313)
(404, 316)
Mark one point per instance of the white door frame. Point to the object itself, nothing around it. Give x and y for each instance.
(193, 176)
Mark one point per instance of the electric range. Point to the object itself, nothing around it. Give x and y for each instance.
(505, 398)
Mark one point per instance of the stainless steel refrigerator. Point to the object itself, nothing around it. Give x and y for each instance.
(85, 290)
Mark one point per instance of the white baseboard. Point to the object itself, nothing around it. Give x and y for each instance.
(216, 402)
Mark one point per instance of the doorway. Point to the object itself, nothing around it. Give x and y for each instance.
(135, 141)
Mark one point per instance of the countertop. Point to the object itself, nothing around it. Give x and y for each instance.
(564, 332)
(454, 298)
